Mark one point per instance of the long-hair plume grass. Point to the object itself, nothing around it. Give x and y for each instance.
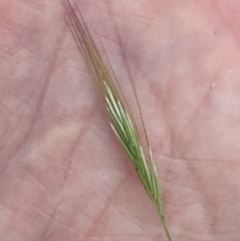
(120, 115)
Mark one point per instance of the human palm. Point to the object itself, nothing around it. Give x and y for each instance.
(63, 174)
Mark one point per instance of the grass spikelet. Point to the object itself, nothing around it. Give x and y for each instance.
(121, 121)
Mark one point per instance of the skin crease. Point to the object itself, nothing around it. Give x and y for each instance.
(63, 174)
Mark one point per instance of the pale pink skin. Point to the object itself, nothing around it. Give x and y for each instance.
(63, 174)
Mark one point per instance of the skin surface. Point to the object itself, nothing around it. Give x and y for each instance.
(63, 174)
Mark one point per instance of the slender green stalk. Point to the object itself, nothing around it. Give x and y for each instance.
(122, 123)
